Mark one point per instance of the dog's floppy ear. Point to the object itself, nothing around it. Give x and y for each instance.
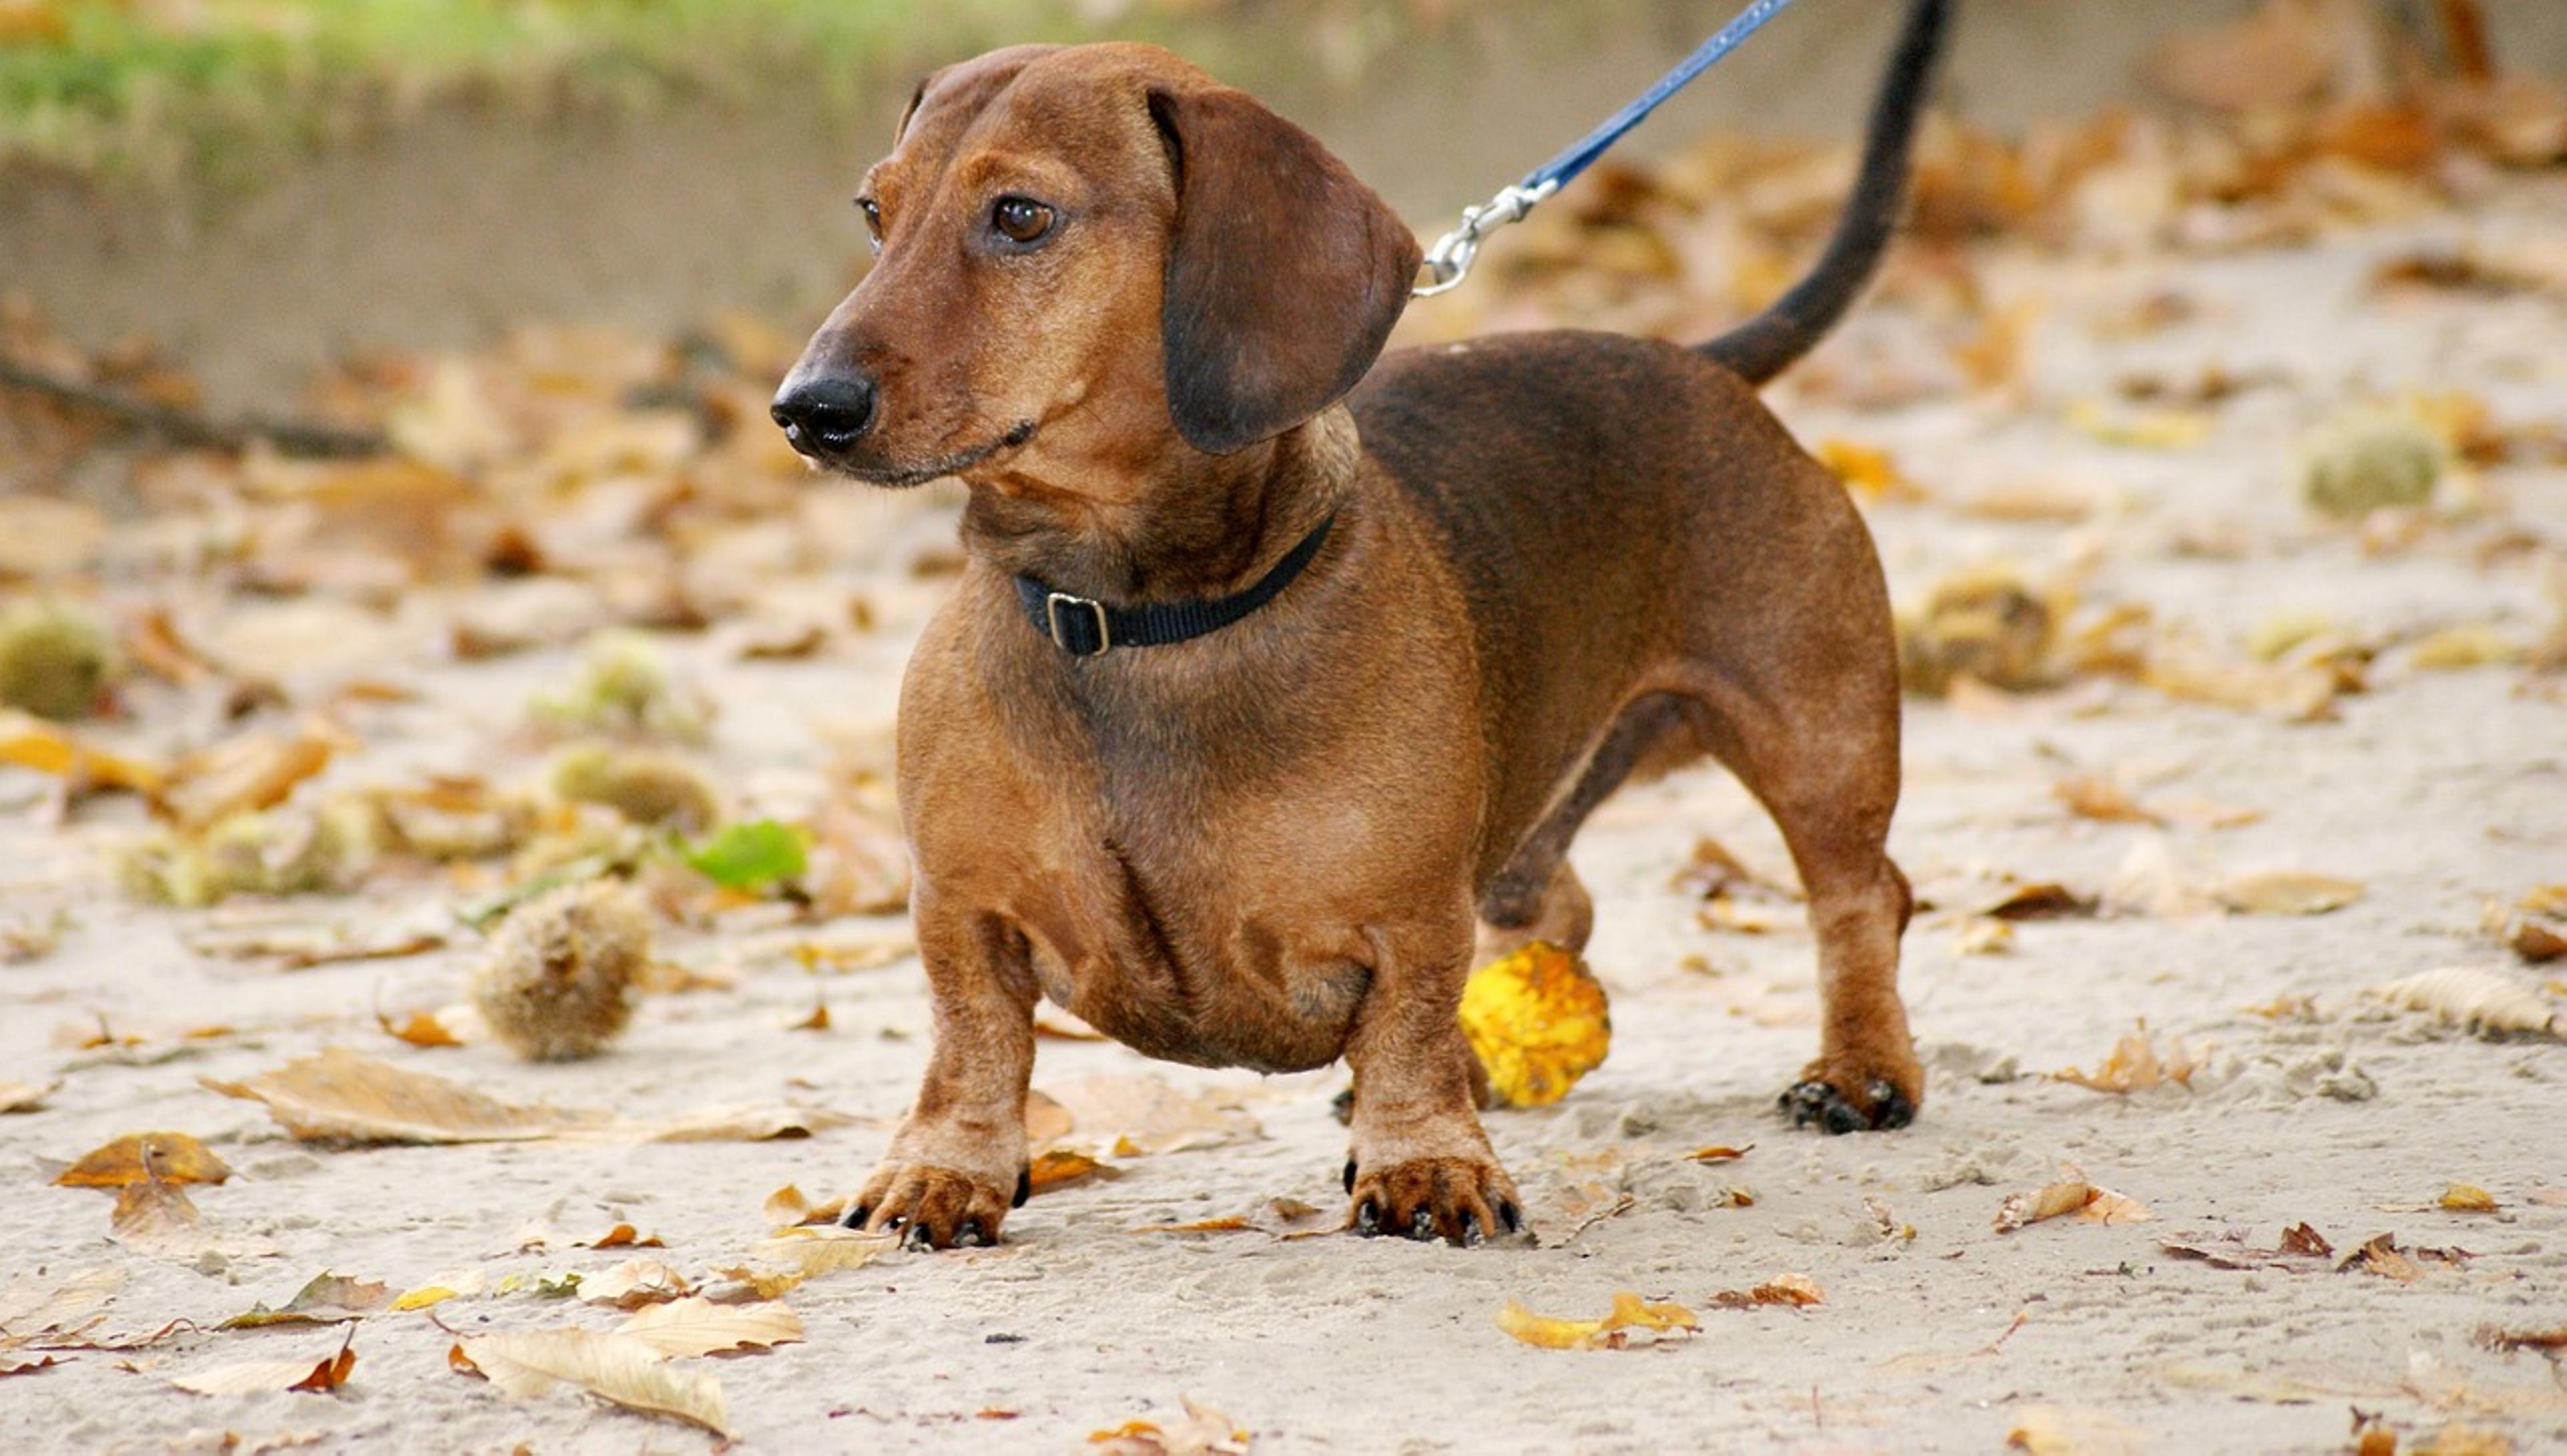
(1285, 273)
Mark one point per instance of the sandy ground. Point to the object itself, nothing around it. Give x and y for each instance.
(2436, 790)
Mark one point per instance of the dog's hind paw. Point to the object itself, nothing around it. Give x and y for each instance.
(1883, 1106)
(1459, 1200)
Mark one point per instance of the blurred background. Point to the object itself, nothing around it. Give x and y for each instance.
(253, 187)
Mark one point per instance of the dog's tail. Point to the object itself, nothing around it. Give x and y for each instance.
(1767, 343)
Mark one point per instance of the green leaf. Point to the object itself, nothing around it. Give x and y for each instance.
(749, 855)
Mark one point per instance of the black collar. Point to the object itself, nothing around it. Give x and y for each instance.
(1083, 627)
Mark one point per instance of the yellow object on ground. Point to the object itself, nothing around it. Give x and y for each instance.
(1536, 1019)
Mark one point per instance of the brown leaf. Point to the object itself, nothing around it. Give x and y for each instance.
(1792, 1289)
(787, 1207)
(1201, 1431)
(329, 1298)
(622, 1236)
(144, 1157)
(696, 1325)
(253, 772)
(9, 1366)
(2093, 797)
(810, 1252)
(2042, 900)
(1719, 1153)
(2513, 1340)
(620, 1367)
(2134, 1066)
(156, 1216)
(2301, 1249)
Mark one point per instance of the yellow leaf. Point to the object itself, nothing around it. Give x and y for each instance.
(341, 1096)
(1538, 1021)
(31, 742)
(1867, 470)
(620, 1367)
(1144, 1114)
(2140, 429)
(1060, 1166)
(1793, 1290)
(1630, 1313)
(817, 1251)
(2468, 1198)
(1719, 1153)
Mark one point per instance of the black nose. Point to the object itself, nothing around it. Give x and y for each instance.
(825, 415)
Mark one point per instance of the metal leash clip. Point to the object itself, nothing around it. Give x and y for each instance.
(1449, 261)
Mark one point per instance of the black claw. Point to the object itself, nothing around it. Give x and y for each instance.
(1369, 1218)
(1421, 1224)
(919, 1236)
(969, 1235)
(1889, 1106)
(1839, 1118)
(1472, 1236)
(1350, 1175)
(1024, 1187)
(1511, 1215)
(856, 1216)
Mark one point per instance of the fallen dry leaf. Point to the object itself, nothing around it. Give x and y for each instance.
(251, 1377)
(33, 1307)
(1719, 1153)
(2041, 900)
(2288, 892)
(1630, 1312)
(438, 1291)
(622, 1369)
(1281, 1218)
(329, 1298)
(343, 1096)
(1058, 1168)
(2053, 1430)
(1538, 1021)
(1790, 1289)
(2466, 1198)
(2134, 1066)
(811, 1252)
(696, 1325)
(144, 1157)
(2072, 1195)
(634, 1283)
(28, 741)
(622, 1236)
(2301, 1250)
(244, 774)
(10, 1366)
(788, 1207)
(1201, 1431)
(1143, 1114)
(2480, 1001)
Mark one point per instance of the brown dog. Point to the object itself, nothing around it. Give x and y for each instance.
(1256, 691)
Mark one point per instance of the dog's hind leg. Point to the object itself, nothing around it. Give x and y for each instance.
(1537, 896)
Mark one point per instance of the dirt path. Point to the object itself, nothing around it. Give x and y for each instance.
(2434, 792)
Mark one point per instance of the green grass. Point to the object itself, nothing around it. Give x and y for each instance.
(120, 87)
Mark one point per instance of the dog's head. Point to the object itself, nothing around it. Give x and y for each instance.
(1087, 257)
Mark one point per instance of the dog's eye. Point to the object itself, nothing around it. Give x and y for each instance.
(1022, 220)
(873, 220)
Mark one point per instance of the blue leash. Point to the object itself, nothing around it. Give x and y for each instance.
(1449, 261)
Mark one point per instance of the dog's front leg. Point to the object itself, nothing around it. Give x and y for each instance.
(958, 1163)
(1420, 1165)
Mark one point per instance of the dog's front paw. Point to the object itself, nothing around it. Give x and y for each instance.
(935, 1208)
(1859, 1105)
(1461, 1200)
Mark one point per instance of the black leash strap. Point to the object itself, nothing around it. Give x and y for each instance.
(1085, 626)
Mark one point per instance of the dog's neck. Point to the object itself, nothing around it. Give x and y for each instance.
(1196, 525)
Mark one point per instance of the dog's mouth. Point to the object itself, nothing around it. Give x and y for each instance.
(902, 477)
